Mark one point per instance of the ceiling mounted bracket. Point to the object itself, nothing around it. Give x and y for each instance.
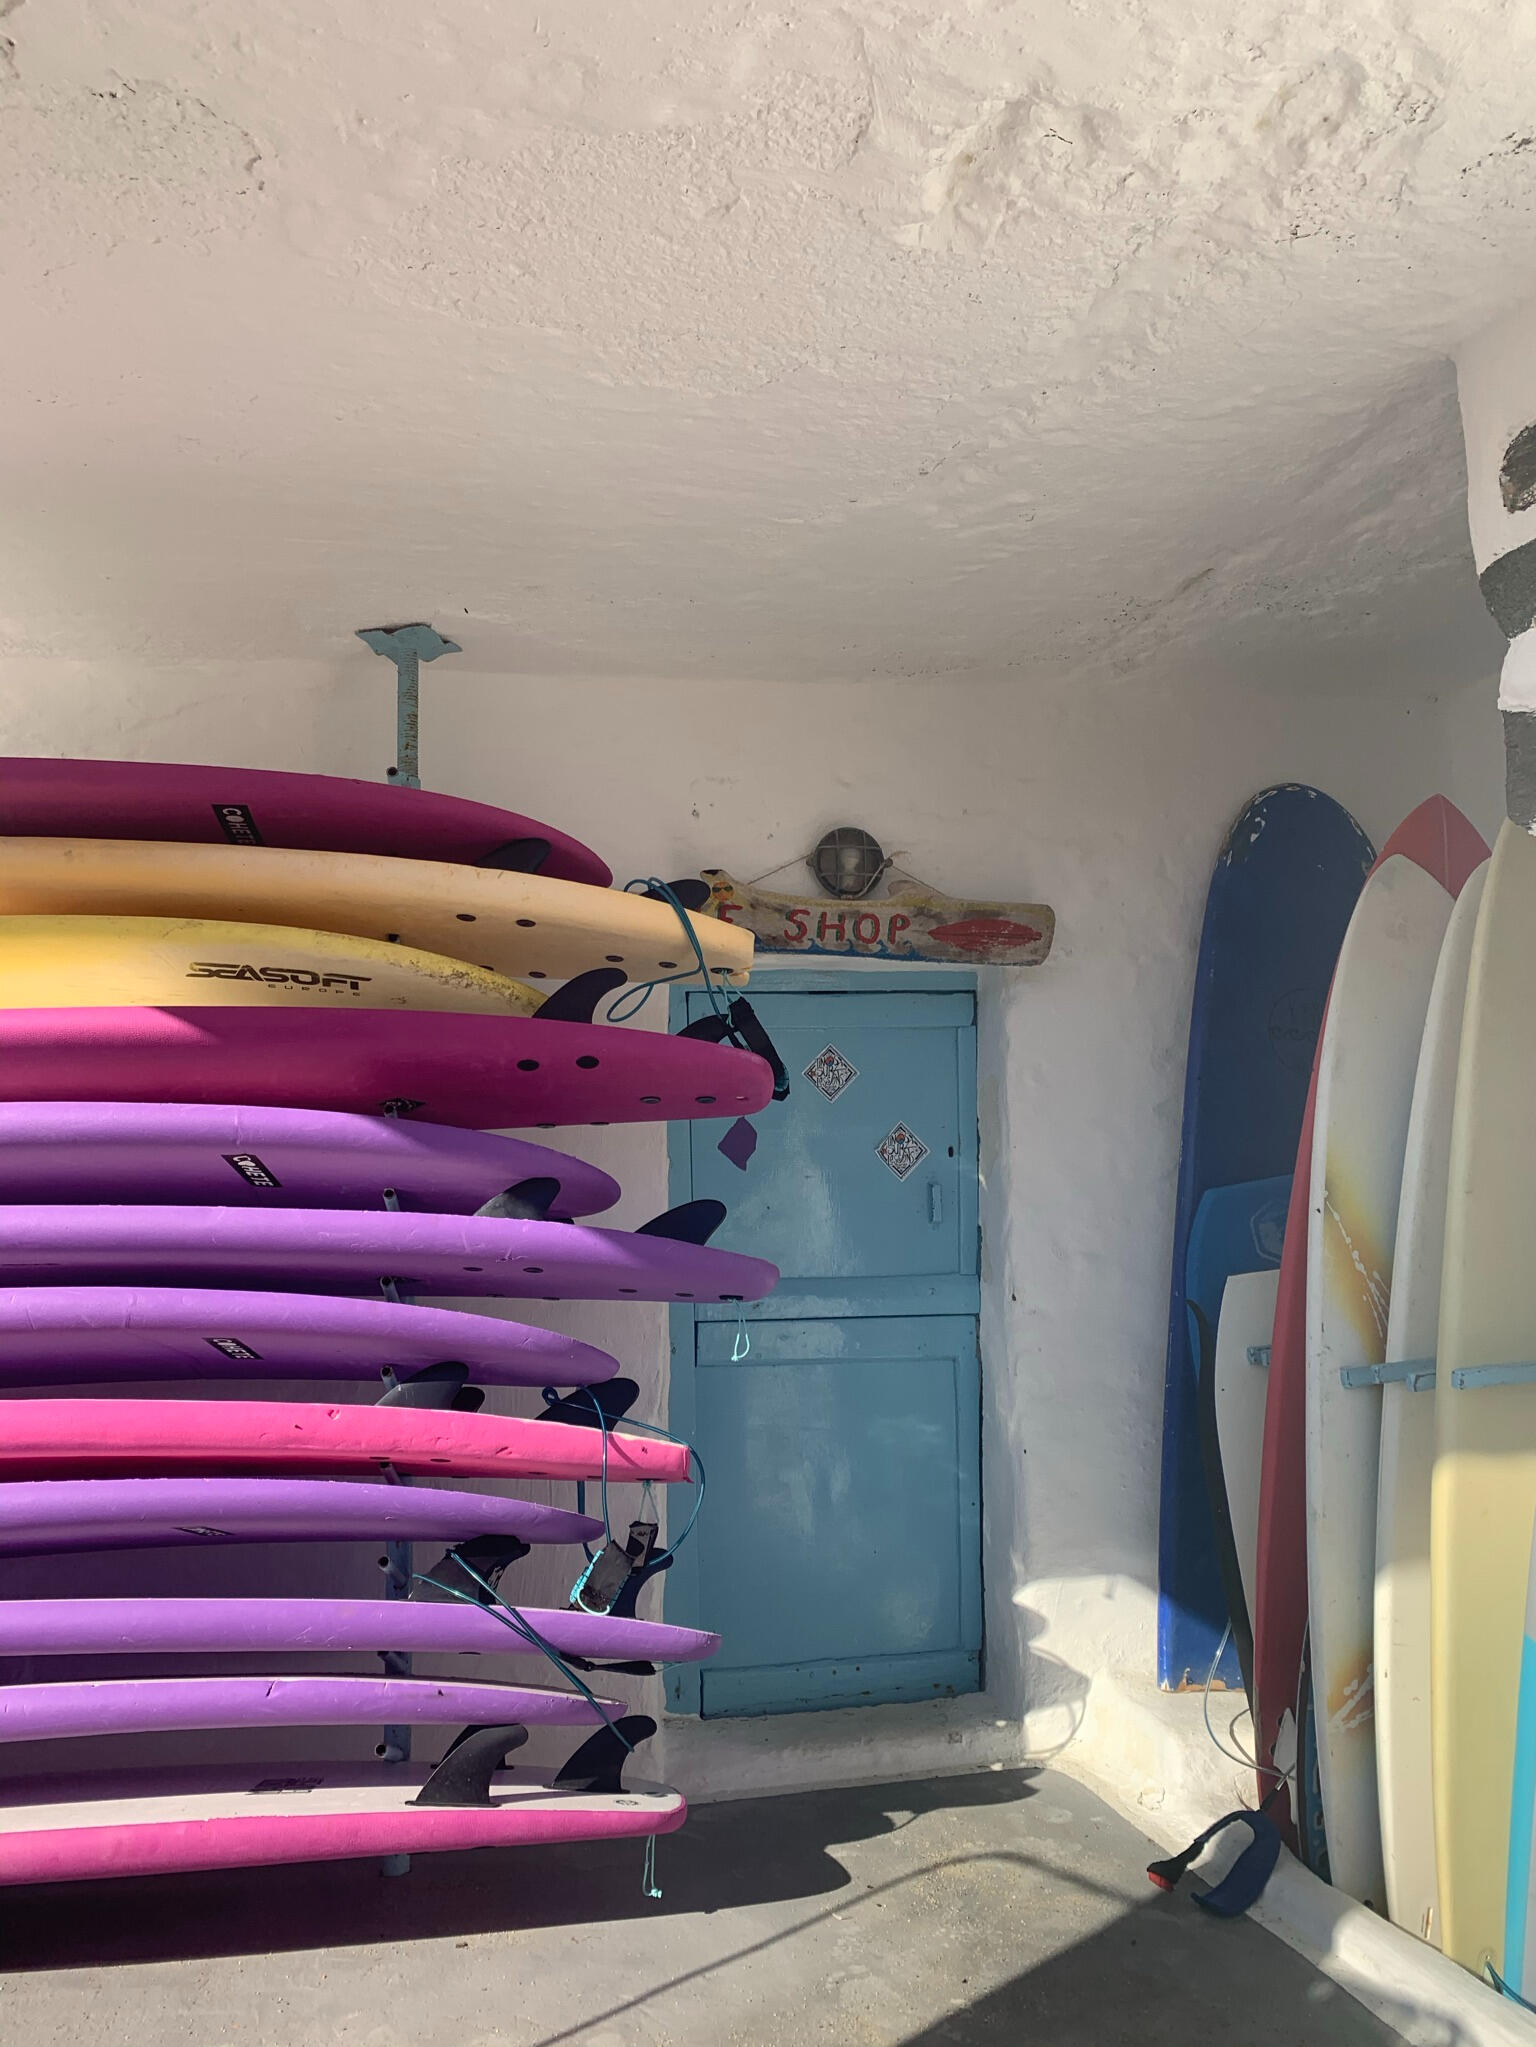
(407, 646)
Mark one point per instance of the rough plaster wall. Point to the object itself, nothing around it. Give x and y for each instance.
(703, 336)
(1109, 805)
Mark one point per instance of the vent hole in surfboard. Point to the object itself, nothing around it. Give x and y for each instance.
(527, 1065)
(526, 1268)
(587, 1059)
(614, 959)
(525, 923)
(650, 1098)
(666, 963)
(629, 1290)
(537, 974)
(543, 1126)
(704, 1098)
(465, 916)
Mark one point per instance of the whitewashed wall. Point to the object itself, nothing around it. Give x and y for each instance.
(1107, 799)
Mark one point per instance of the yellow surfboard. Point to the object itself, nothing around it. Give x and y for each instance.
(1483, 1498)
(179, 962)
(523, 924)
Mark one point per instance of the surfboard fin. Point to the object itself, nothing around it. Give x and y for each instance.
(527, 1201)
(439, 1386)
(609, 1669)
(692, 1222)
(471, 1760)
(577, 1000)
(487, 1555)
(598, 1765)
(518, 856)
(691, 892)
(743, 1028)
(591, 1407)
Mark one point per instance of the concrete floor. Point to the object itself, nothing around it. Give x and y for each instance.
(998, 1907)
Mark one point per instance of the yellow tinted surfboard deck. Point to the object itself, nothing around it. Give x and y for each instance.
(177, 962)
(518, 924)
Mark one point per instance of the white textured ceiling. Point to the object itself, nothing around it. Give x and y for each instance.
(662, 336)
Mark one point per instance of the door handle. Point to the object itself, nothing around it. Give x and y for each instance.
(935, 1202)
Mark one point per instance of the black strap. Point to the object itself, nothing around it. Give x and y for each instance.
(744, 1030)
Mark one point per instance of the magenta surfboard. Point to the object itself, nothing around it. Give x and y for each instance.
(483, 1072)
(95, 1336)
(142, 1823)
(54, 1517)
(151, 1705)
(266, 1157)
(75, 799)
(46, 1438)
(339, 1249)
(221, 1627)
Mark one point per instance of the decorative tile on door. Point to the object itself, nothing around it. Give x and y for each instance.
(829, 1072)
(902, 1150)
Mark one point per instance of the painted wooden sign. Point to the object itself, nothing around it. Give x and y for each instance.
(912, 925)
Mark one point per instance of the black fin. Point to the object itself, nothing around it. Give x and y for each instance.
(706, 1030)
(528, 1201)
(489, 1555)
(610, 1669)
(474, 1756)
(604, 1580)
(577, 1001)
(693, 1222)
(691, 892)
(623, 1608)
(518, 856)
(598, 1765)
(593, 1406)
(436, 1386)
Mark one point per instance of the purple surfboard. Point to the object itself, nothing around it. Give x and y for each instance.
(145, 1822)
(486, 1072)
(73, 799)
(220, 1627)
(118, 1705)
(272, 1158)
(98, 1336)
(342, 1249)
(52, 1517)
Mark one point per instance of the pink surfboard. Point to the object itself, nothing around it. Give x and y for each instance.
(95, 1336)
(486, 1072)
(273, 1158)
(1440, 840)
(79, 1438)
(411, 1627)
(151, 1705)
(56, 1517)
(145, 1823)
(170, 800)
(339, 1249)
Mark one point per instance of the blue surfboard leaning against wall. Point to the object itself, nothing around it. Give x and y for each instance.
(1280, 898)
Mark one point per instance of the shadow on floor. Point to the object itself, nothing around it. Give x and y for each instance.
(753, 1852)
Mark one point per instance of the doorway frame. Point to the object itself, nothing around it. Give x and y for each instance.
(684, 1681)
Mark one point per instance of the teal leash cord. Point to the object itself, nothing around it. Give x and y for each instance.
(633, 1000)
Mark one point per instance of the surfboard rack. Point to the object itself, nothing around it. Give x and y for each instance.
(1416, 1374)
(407, 646)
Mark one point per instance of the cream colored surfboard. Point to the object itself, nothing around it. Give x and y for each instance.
(522, 924)
(1403, 1769)
(176, 963)
(1242, 1385)
(1484, 1494)
(1365, 1072)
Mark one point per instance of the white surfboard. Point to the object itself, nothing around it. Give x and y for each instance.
(1367, 1062)
(1403, 1768)
(1242, 1385)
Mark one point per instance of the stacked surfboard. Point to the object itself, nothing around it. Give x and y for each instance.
(263, 1041)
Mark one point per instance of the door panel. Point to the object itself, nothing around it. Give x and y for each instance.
(839, 1549)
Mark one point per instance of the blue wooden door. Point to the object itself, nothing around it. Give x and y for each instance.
(839, 1550)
